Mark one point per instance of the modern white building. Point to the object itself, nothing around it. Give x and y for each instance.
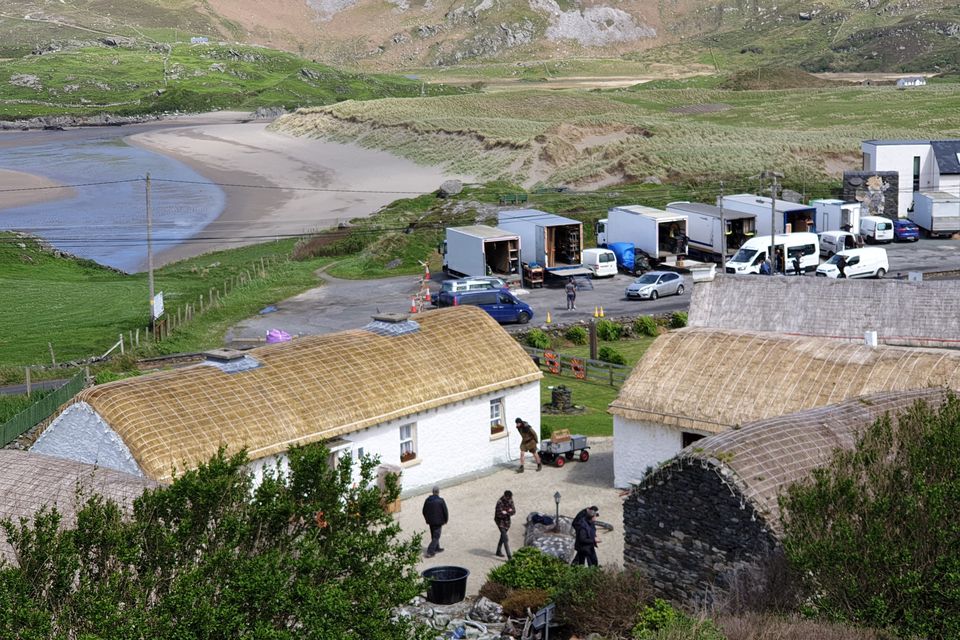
(923, 165)
(436, 396)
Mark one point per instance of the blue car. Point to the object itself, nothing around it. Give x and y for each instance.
(501, 304)
(905, 231)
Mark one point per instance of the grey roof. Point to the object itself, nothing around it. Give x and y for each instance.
(763, 458)
(782, 206)
(894, 142)
(946, 153)
(534, 215)
(484, 231)
(707, 210)
(29, 481)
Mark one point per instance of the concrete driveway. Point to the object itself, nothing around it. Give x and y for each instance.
(470, 538)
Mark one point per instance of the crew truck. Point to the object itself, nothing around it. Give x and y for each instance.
(713, 232)
(480, 250)
(789, 217)
(936, 212)
(659, 234)
(548, 240)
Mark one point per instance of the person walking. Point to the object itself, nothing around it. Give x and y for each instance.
(764, 265)
(797, 271)
(571, 290)
(501, 516)
(585, 543)
(841, 266)
(528, 442)
(435, 515)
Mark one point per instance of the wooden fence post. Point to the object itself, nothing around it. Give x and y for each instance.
(210, 295)
(138, 336)
(121, 344)
(26, 375)
(201, 303)
(179, 321)
(53, 358)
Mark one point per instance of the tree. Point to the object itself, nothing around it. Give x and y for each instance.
(876, 532)
(307, 553)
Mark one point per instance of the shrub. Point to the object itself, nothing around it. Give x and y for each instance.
(576, 335)
(603, 602)
(530, 568)
(678, 319)
(611, 355)
(646, 326)
(657, 615)
(106, 376)
(545, 431)
(660, 621)
(492, 590)
(769, 586)
(608, 331)
(537, 339)
(756, 626)
(516, 604)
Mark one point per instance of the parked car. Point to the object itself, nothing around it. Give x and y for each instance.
(501, 304)
(654, 284)
(905, 231)
(602, 262)
(832, 242)
(876, 229)
(478, 283)
(869, 262)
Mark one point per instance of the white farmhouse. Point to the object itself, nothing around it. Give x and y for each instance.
(911, 81)
(429, 396)
(923, 165)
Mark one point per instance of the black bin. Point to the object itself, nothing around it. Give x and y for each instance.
(447, 585)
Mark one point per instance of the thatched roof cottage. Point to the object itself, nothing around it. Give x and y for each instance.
(426, 395)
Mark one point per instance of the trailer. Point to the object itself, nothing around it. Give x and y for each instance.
(713, 232)
(937, 213)
(563, 446)
(659, 234)
(836, 215)
(480, 250)
(789, 217)
(547, 240)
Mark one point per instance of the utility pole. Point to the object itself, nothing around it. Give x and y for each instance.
(150, 249)
(773, 175)
(723, 234)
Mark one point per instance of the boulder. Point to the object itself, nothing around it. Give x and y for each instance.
(450, 188)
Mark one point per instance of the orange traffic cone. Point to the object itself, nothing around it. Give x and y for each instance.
(426, 272)
(413, 305)
(596, 312)
(426, 296)
(601, 312)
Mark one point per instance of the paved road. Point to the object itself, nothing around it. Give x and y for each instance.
(17, 389)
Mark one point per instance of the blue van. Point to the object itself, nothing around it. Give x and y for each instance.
(501, 304)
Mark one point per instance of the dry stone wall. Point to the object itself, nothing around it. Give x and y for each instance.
(687, 531)
(916, 314)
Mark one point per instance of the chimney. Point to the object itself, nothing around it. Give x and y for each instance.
(870, 338)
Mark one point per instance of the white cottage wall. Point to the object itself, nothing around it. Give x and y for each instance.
(79, 433)
(640, 445)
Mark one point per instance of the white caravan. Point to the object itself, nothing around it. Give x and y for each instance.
(754, 251)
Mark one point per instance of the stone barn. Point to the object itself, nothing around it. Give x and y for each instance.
(713, 509)
(697, 382)
(913, 314)
(30, 481)
(436, 397)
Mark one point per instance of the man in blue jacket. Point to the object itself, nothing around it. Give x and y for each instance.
(435, 514)
(585, 530)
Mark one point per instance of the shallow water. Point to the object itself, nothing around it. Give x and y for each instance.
(107, 223)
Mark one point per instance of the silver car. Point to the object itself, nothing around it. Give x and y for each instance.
(654, 284)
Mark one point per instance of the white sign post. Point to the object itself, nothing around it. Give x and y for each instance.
(157, 306)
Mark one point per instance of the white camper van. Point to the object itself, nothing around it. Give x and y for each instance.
(876, 229)
(754, 251)
(869, 262)
(602, 262)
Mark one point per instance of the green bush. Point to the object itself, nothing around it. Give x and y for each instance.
(611, 355)
(530, 568)
(545, 431)
(678, 319)
(646, 326)
(518, 602)
(603, 602)
(657, 615)
(608, 331)
(537, 339)
(576, 335)
(106, 376)
(660, 621)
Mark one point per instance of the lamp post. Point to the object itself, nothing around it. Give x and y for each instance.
(773, 175)
(556, 499)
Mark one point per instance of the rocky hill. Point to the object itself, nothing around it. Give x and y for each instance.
(823, 35)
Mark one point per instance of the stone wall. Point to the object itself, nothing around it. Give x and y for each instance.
(877, 191)
(687, 531)
(916, 314)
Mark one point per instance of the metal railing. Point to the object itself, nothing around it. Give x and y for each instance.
(40, 410)
(579, 368)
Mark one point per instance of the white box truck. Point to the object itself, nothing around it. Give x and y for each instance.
(712, 231)
(551, 241)
(836, 215)
(937, 213)
(655, 232)
(786, 215)
(480, 250)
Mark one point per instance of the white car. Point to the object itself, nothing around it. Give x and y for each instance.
(869, 262)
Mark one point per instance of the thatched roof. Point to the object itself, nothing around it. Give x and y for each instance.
(711, 380)
(310, 389)
(29, 481)
(918, 314)
(763, 458)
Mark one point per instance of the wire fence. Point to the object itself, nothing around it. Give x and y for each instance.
(40, 410)
(559, 364)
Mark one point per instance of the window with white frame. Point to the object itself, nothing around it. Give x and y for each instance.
(408, 442)
(497, 425)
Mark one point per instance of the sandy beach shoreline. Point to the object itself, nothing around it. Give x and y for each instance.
(278, 185)
(46, 190)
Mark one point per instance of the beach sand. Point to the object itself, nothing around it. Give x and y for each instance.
(272, 166)
(20, 180)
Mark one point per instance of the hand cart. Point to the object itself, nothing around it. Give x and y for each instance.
(562, 447)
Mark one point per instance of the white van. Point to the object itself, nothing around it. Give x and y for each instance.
(876, 229)
(869, 262)
(754, 251)
(602, 262)
(832, 242)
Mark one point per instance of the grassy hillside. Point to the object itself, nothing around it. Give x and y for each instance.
(597, 138)
(183, 77)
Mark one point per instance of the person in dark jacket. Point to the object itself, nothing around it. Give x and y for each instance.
(501, 516)
(435, 515)
(585, 544)
(528, 442)
(797, 270)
